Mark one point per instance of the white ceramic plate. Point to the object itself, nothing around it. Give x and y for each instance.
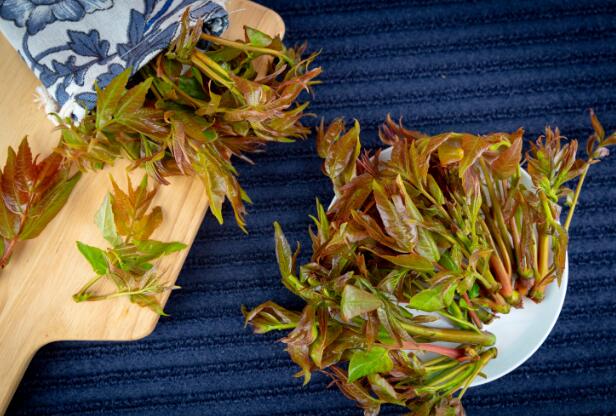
(522, 331)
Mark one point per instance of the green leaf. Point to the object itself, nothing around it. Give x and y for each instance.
(105, 222)
(363, 363)
(133, 100)
(47, 208)
(474, 291)
(109, 98)
(428, 300)
(426, 246)
(257, 38)
(192, 87)
(411, 261)
(154, 249)
(356, 301)
(435, 190)
(9, 222)
(95, 256)
(448, 293)
(283, 252)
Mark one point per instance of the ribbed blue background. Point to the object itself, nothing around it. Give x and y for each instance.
(442, 64)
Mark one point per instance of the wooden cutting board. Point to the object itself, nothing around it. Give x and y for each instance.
(36, 287)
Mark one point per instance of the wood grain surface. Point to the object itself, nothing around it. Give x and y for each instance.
(36, 287)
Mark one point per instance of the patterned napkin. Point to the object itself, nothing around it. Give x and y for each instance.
(70, 44)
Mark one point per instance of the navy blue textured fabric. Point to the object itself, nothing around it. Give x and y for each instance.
(443, 64)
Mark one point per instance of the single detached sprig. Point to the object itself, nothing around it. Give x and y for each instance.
(195, 109)
(126, 224)
(32, 193)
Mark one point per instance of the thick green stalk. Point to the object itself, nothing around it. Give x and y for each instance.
(450, 335)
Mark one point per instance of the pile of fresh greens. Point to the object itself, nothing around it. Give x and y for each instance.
(195, 109)
(447, 225)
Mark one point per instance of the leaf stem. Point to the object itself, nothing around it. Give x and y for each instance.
(246, 48)
(483, 360)
(79, 296)
(576, 195)
(455, 353)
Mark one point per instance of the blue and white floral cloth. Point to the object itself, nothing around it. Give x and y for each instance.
(70, 44)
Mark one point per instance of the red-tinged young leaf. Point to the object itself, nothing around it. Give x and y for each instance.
(596, 125)
(145, 226)
(507, 163)
(300, 354)
(356, 392)
(270, 316)
(384, 390)
(148, 301)
(41, 213)
(283, 252)
(32, 192)
(395, 218)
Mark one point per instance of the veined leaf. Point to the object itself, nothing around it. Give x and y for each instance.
(356, 301)
(428, 300)
(508, 162)
(134, 98)
(105, 221)
(283, 252)
(95, 256)
(148, 301)
(364, 363)
(155, 249)
(45, 210)
(108, 99)
(257, 38)
(411, 261)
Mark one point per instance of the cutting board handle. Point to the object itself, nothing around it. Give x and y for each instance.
(16, 352)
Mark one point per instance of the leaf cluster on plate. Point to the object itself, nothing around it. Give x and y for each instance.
(197, 108)
(445, 226)
(126, 224)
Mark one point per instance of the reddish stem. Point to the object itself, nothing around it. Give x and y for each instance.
(501, 275)
(472, 313)
(455, 353)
